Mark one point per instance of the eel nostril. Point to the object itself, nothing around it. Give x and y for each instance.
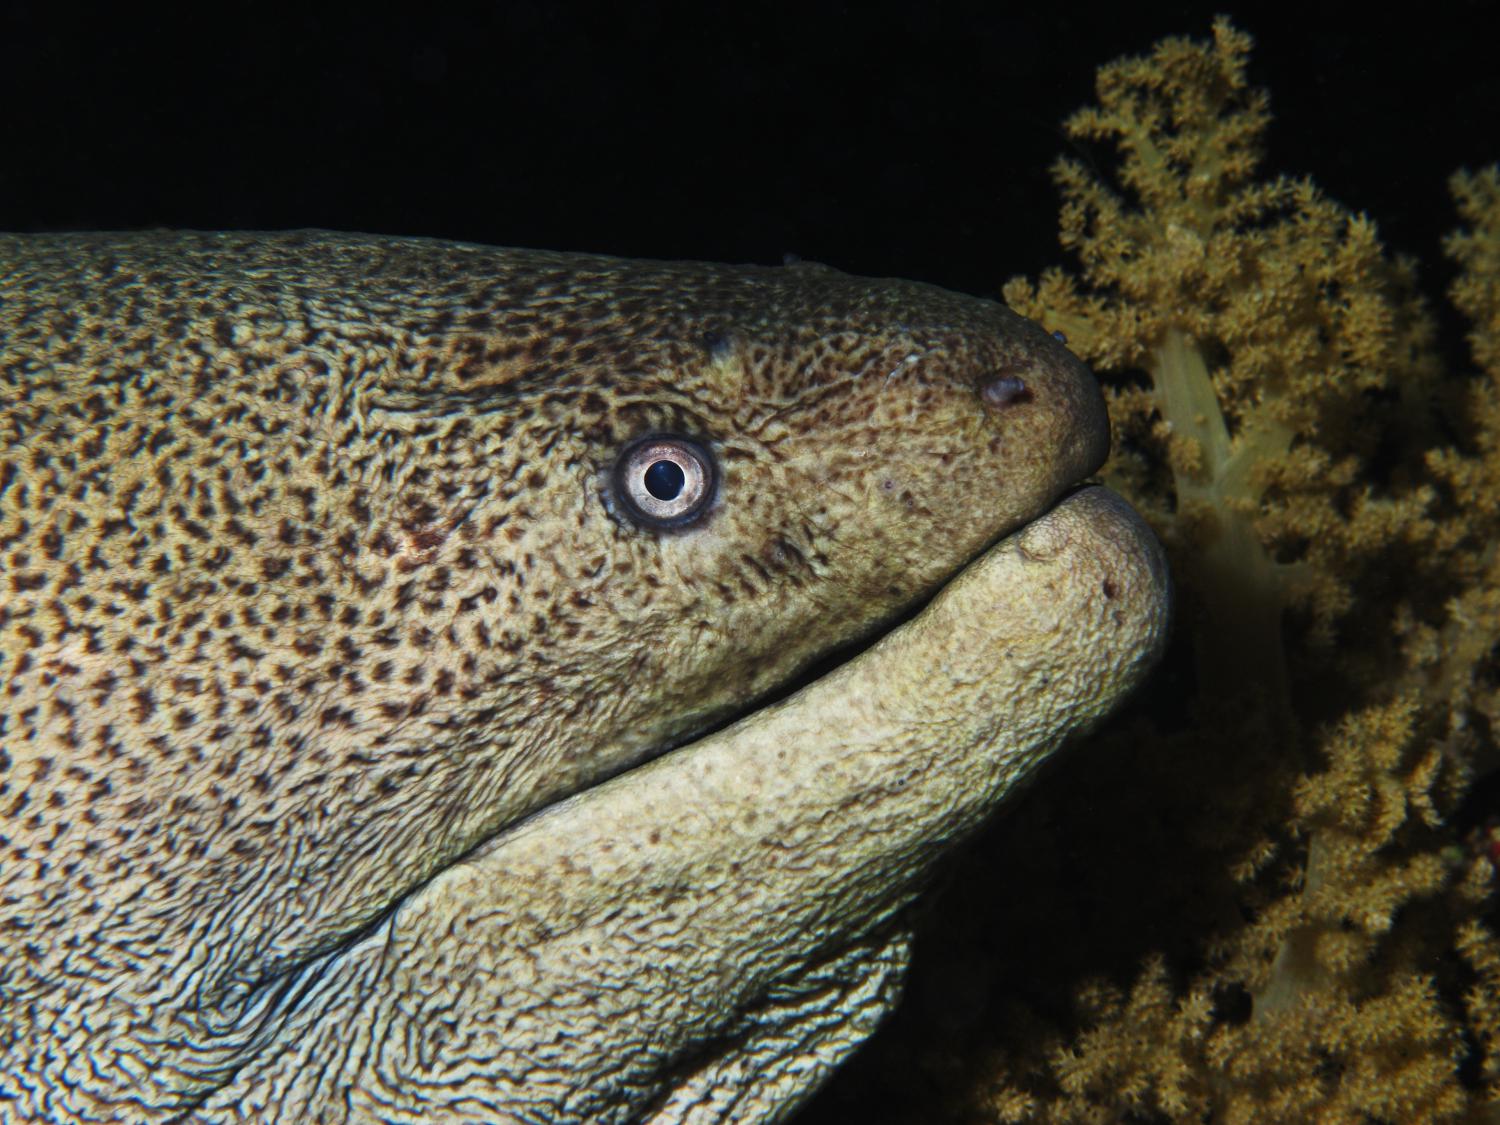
(1005, 390)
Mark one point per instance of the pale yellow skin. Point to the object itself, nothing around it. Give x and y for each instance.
(317, 606)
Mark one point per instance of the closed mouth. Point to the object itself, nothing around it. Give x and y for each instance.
(840, 655)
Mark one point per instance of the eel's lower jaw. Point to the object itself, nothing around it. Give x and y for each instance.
(907, 747)
(675, 903)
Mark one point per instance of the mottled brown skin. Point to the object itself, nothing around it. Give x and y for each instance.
(312, 579)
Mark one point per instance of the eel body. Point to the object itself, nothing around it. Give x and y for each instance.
(361, 600)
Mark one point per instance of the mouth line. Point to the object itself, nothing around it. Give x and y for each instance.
(843, 654)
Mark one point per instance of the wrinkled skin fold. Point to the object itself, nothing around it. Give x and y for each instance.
(705, 937)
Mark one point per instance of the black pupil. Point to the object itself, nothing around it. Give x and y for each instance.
(664, 480)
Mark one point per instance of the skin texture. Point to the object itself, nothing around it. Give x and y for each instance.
(316, 587)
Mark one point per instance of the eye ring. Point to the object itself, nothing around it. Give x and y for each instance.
(665, 480)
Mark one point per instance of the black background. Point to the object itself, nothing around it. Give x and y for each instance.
(891, 141)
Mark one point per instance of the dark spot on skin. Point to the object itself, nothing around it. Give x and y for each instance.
(1005, 390)
(716, 342)
(1109, 588)
(428, 539)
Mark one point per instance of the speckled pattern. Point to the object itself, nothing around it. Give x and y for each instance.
(311, 580)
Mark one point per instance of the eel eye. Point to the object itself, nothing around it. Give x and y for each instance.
(665, 480)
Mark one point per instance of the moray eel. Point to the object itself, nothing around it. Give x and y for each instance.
(399, 642)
